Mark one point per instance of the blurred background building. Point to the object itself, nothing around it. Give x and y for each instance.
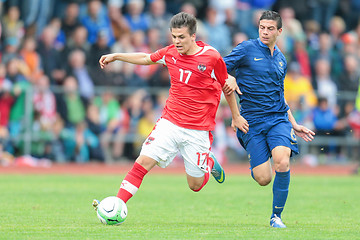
(57, 104)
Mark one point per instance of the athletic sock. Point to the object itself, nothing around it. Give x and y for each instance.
(207, 174)
(280, 192)
(131, 182)
(210, 163)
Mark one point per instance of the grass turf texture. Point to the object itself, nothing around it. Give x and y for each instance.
(59, 207)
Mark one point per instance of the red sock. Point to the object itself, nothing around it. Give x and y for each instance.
(207, 174)
(131, 182)
(210, 163)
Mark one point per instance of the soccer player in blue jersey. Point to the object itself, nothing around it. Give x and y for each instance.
(260, 69)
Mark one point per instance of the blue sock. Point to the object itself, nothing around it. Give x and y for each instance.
(280, 192)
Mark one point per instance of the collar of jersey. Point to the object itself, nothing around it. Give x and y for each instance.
(200, 44)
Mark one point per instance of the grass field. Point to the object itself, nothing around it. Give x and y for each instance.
(59, 207)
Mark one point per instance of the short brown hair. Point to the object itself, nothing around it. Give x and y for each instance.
(272, 15)
(183, 19)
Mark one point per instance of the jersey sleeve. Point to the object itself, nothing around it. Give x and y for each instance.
(220, 71)
(159, 55)
(235, 58)
(283, 77)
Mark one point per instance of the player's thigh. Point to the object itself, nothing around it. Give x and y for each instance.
(259, 155)
(161, 144)
(258, 150)
(195, 151)
(282, 134)
(281, 158)
(195, 182)
(263, 173)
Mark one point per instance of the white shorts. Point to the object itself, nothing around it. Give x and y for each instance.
(167, 139)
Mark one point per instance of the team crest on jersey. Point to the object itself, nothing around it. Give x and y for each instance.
(149, 140)
(202, 67)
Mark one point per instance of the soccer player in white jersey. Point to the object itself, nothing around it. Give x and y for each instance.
(198, 74)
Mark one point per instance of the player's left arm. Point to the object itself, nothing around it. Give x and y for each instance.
(300, 130)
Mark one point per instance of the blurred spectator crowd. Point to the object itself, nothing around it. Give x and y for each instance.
(56, 103)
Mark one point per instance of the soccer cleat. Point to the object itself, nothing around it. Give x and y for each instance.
(95, 204)
(276, 222)
(217, 171)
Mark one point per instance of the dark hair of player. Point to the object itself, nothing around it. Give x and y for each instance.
(272, 15)
(184, 20)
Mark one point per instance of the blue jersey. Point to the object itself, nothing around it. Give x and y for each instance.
(260, 77)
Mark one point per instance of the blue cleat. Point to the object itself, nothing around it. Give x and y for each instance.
(276, 222)
(217, 171)
(95, 204)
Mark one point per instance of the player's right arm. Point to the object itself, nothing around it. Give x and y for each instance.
(236, 57)
(233, 61)
(230, 86)
(221, 75)
(238, 121)
(134, 58)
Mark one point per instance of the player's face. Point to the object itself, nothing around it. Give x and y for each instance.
(182, 39)
(268, 32)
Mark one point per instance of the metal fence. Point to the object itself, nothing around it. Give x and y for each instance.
(349, 144)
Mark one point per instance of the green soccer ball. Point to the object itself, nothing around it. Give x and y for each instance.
(112, 211)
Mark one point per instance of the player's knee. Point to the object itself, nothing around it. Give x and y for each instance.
(146, 162)
(282, 165)
(263, 180)
(196, 187)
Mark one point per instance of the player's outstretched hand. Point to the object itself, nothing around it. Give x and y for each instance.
(241, 124)
(304, 132)
(105, 59)
(231, 86)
